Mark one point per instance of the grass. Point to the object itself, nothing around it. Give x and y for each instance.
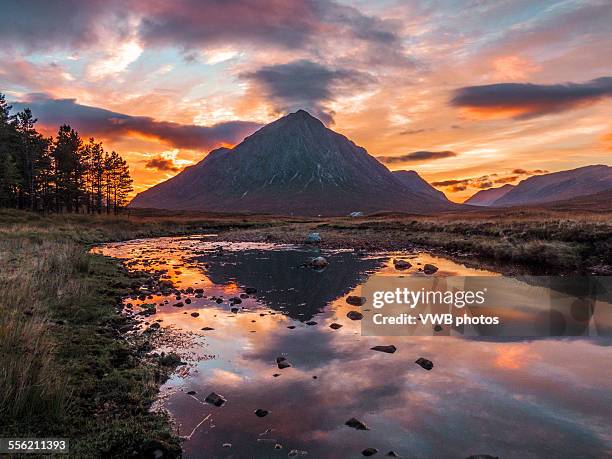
(64, 370)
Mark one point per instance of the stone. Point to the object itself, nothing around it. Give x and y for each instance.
(313, 238)
(207, 328)
(356, 424)
(424, 363)
(215, 399)
(318, 263)
(282, 363)
(311, 322)
(261, 413)
(401, 264)
(354, 315)
(369, 452)
(390, 349)
(195, 314)
(335, 326)
(429, 268)
(356, 300)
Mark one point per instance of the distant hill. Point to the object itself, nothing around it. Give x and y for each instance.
(415, 183)
(558, 186)
(488, 197)
(292, 166)
(598, 202)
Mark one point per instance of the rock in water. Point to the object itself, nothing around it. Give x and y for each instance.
(401, 264)
(215, 399)
(356, 300)
(282, 363)
(354, 315)
(369, 451)
(429, 268)
(392, 454)
(335, 326)
(390, 349)
(261, 413)
(356, 424)
(318, 263)
(424, 363)
(313, 238)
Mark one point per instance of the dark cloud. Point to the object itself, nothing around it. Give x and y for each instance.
(304, 85)
(524, 100)
(188, 24)
(108, 124)
(161, 164)
(417, 156)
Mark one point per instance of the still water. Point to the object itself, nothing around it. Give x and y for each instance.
(512, 398)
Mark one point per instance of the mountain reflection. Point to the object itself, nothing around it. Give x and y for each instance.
(284, 284)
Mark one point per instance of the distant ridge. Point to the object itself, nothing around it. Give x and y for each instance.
(415, 183)
(489, 196)
(292, 166)
(558, 186)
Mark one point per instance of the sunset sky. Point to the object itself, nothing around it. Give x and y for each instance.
(470, 94)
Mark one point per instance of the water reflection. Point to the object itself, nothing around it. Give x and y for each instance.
(546, 398)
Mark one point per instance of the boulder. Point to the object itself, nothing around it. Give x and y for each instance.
(356, 424)
(424, 363)
(356, 300)
(369, 451)
(215, 399)
(313, 238)
(390, 349)
(401, 264)
(354, 315)
(318, 263)
(429, 268)
(335, 326)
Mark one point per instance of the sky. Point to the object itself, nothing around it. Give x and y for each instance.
(471, 94)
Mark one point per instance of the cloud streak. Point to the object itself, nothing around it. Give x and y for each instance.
(525, 100)
(417, 156)
(108, 124)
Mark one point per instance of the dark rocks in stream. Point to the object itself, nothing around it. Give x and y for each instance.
(390, 349)
(429, 268)
(369, 452)
(401, 264)
(356, 300)
(261, 413)
(195, 314)
(424, 363)
(199, 291)
(187, 301)
(335, 326)
(311, 322)
(207, 328)
(392, 454)
(354, 315)
(219, 300)
(215, 399)
(356, 424)
(282, 362)
(191, 392)
(178, 305)
(318, 263)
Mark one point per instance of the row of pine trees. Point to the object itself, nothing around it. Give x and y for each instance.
(61, 174)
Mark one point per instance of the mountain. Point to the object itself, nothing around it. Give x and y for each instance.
(558, 186)
(487, 197)
(292, 166)
(415, 183)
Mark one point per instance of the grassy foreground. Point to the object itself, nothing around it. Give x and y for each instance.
(65, 369)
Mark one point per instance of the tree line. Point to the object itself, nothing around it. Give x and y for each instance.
(61, 174)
